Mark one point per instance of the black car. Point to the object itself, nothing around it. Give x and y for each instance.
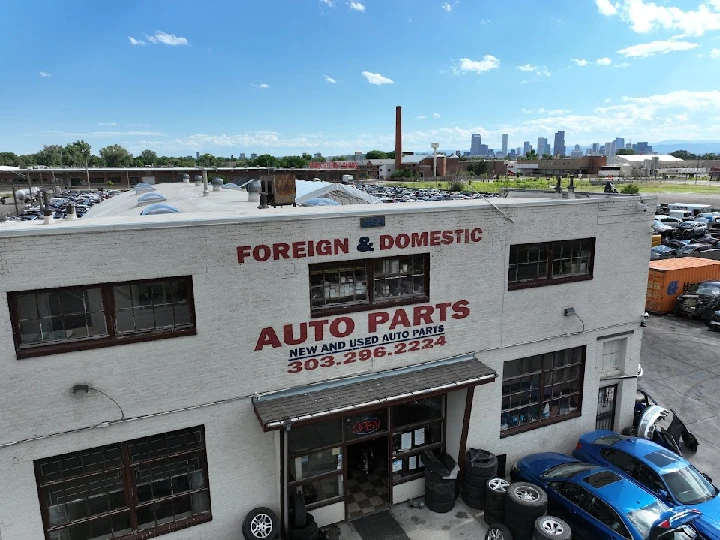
(701, 300)
(714, 322)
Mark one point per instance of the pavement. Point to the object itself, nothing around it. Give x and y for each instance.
(681, 365)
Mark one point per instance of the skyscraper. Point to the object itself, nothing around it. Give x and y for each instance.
(559, 146)
(526, 148)
(619, 143)
(504, 144)
(541, 147)
(475, 143)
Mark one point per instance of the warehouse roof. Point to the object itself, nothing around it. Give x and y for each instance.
(276, 409)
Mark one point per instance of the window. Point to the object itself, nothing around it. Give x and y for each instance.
(541, 389)
(550, 263)
(622, 461)
(364, 285)
(132, 490)
(52, 321)
(600, 510)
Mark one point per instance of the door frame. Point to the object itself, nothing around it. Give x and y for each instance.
(388, 435)
(600, 417)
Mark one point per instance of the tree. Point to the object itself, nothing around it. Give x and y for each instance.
(402, 173)
(148, 157)
(266, 160)
(50, 156)
(307, 156)
(390, 155)
(116, 156)
(293, 162)
(376, 154)
(78, 154)
(546, 156)
(8, 159)
(683, 154)
(625, 152)
(206, 160)
(478, 168)
(532, 154)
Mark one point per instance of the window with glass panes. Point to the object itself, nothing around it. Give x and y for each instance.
(550, 263)
(57, 320)
(136, 489)
(367, 284)
(541, 389)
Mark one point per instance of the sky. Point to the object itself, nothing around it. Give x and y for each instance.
(291, 76)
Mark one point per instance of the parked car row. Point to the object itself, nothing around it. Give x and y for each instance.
(624, 487)
(397, 194)
(81, 200)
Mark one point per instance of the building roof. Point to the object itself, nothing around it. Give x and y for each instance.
(276, 409)
(415, 158)
(641, 158)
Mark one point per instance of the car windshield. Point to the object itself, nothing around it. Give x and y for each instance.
(567, 469)
(644, 518)
(688, 487)
(708, 288)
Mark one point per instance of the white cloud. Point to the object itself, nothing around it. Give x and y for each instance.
(466, 65)
(436, 116)
(357, 6)
(421, 117)
(643, 50)
(166, 39)
(45, 75)
(107, 124)
(262, 86)
(329, 79)
(608, 100)
(603, 61)
(447, 6)
(528, 67)
(376, 78)
(328, 3)
(558, 112)
(605, 7)
(715, 53)
(579, 61)
(622, 65)
(646, 16)
(134, 41)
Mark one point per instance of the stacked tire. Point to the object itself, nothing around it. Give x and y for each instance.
(302, 524)
(495, 494)
(480, 467)
(524, 504)
(551, 528)
(439, 493)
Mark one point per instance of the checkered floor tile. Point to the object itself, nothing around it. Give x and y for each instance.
(366, 495)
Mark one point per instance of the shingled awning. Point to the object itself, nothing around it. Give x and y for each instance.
(317, 401)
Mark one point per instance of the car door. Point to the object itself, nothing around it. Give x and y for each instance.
(625, 463)
(651, 481)
(609, 523)
(566, 501)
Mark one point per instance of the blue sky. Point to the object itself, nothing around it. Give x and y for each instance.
(286, 76)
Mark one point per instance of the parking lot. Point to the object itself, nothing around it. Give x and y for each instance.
(681, 364)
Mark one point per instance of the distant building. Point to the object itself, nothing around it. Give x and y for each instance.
(482, 151)
(241, 155)
(504, 144)
(577, 152)
(253, 156)
(526, 148)
(518, 151)
(559, 146)
(619, 143)
(642, 148)
(542, 147)
(475, 143)
(318, 155)
(595, 149)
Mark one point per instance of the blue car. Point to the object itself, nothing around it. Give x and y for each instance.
(667, 475)
(599, 504)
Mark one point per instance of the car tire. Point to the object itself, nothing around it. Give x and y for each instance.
(498, 531)
(480, 463)
(260, 524)
(525, 500)
(439, 507)
(551, 528)
(309, 531)
(438, 486)
(299, 515)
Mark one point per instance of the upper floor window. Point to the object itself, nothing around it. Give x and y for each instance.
(137, 489)
(368, 284)
(57, 320)
(549, 263)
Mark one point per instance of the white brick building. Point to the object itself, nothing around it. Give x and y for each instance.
(221, 319)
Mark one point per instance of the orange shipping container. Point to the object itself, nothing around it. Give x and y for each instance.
(669, 278)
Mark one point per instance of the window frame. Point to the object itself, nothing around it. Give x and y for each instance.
(542, 422)
(551, 248)
(132, 504)
(371, 303)
(108, 301)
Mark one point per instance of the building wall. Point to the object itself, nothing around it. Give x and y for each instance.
(234, 302)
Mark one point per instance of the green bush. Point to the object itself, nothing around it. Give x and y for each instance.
(630, 189)
(456, 185)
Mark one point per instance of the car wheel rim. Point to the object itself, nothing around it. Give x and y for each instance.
(495, 534)
(261, 526)
(527, 493)
(552, 527)
(499, 485)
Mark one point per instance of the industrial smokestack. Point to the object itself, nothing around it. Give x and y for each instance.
(398, 137)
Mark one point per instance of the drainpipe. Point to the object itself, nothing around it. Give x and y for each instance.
(47, 216)
(205, 183)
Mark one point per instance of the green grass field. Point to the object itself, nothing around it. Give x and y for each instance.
(494, 186)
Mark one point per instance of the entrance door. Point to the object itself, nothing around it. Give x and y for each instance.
(367, 483)
(605, 418)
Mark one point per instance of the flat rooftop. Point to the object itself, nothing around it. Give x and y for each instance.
(228, 206)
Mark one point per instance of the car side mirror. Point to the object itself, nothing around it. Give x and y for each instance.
(663, 495)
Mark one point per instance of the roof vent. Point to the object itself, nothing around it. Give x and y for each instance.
(253, 188)
(198, 180)
(150, 198)
(160, 208)
(186, 178)
(217, 183)
(143, 187)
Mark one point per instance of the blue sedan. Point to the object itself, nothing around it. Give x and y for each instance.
(600, 504)
(667, 475)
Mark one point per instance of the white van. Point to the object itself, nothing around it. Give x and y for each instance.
(684, 215)
(694, 209)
